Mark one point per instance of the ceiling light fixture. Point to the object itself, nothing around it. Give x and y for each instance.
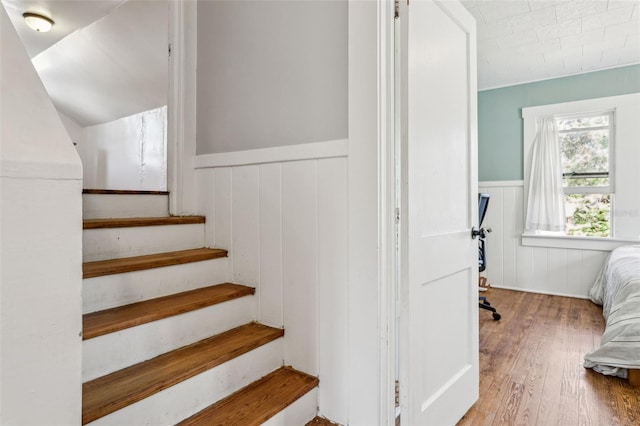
(37, 22)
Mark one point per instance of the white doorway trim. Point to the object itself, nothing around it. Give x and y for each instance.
(181, 107)
(388, 213)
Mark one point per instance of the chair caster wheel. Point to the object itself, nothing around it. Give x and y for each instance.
(496, 316)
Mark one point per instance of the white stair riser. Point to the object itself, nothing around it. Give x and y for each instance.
(299, 413)
(187, 398)
(112, 243)
(104, 354)
(109, 291)
(102, 206)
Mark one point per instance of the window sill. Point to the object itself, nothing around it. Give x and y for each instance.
(570, 242)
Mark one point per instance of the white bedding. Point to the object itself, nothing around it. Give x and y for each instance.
(617, 289)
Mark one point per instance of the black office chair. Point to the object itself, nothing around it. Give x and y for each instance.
(483, 204)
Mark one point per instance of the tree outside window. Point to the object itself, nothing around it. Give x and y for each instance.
(586, 144)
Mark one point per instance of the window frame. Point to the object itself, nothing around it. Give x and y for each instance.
(610, 188)
(626, 126)
(602, 189)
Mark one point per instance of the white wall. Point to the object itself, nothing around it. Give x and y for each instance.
(112, 68)
(271, 73)
(41, 250)
(282, 214)
(128, 153)
(561, 271)
(75, 131)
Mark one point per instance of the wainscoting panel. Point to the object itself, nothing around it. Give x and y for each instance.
(285, 226)
(300, 261)
(566, 272)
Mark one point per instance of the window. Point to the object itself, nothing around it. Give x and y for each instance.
(602, 174)
(586, 143)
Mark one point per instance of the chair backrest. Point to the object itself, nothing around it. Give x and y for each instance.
(483, 203)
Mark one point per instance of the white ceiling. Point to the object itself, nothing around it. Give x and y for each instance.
(520, 41)
(69, 15)
(103, 60)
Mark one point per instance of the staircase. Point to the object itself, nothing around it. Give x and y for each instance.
(166, 339)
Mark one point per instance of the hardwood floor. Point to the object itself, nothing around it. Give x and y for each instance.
(531, 366)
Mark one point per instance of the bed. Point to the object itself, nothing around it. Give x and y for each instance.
(617, 289)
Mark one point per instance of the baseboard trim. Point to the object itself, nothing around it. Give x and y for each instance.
(278, 154)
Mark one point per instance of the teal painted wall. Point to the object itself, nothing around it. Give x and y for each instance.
(500, 114)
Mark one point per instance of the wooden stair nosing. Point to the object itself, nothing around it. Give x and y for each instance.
(149, 261)
(117, 390)
(98, 323)
(257, 402)
(130, 222)
(123, 192)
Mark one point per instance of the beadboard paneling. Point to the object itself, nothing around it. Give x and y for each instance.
(567, 272)
(285, 226)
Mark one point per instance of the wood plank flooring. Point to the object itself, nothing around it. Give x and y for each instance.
(531, 369)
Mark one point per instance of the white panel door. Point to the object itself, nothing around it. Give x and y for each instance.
(439, 315)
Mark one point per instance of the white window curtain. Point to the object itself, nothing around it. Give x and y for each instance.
(545, 203)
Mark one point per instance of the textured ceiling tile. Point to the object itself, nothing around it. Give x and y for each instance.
(508, 53)
(614, 4)
(572, 66)
(570, 11)
(496, 10)
(560, 30)
(627, 54)
(498, 29)
(594, 36)
(574, 52)
(540, 4)
(475, 12)
(615, 31)
(614, 16)
(517, 39)
(536, 19)
(633, 42)
(543, 46)
(614, 43)
(487, 47)
(553, 68)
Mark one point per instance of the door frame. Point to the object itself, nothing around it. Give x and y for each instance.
(181, 107)
(389, 213)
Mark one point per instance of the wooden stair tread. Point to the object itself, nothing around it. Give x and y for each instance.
(111, 320)
(136, 263)
(114, 391)
(129, 222)
(123, 192)
(259, 401)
